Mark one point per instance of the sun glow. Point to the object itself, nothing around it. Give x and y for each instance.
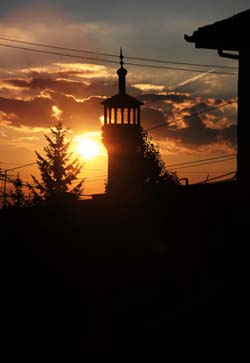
(89, 145)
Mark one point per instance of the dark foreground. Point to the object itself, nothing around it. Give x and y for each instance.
(158, 275)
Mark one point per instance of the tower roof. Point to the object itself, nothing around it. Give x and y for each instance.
(122, 99)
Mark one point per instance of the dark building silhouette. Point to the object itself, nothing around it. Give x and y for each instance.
(231, 35)
(121, 132)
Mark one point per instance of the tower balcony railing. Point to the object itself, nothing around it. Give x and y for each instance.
(122, 116)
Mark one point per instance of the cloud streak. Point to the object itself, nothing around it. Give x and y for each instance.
(191, 80)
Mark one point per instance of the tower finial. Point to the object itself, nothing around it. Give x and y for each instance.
(121, 57)
(122, 75)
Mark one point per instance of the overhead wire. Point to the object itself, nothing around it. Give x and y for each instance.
(172, 165)
(21, 166)
(218, 177)
(205, 163)
(57, 53)
(9, 163)
(204, 171)
(192, 115)
(202, 160)
(113, 61)
(114, 55)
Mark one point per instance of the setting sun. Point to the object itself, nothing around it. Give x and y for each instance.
(89, 146)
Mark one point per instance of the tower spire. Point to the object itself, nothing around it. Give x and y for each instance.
(122, 72)
(121, 57)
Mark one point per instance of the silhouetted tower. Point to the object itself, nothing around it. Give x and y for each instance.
(121, 132)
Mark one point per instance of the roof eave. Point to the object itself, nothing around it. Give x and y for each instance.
(227, 34)
(113, 100)
(211, 43)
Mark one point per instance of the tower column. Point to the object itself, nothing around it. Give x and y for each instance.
(110, 115)
(129, 111)
(134, 116)
(105, 115)
(138, 116)
(122, 115)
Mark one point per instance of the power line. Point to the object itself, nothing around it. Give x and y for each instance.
(219, 177)
(25, 165)
(179, 69)
(95, 180)
(169, 166)
(201, 160)
(56, 53)
(95, 177)
(114, 55)
(204, 172)
(9, 163)
(192, 115)
(201, 164)
(178, 165)
(58, 47)
(94, 169)
(111, 61)
(182, 63)
(22, 166)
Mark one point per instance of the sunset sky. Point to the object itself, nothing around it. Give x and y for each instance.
(37, 90)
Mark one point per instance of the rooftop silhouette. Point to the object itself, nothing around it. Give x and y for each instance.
(230, 35)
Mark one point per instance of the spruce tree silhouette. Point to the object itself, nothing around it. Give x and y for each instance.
(57, 170)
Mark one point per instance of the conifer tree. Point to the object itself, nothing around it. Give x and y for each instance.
(57, 169)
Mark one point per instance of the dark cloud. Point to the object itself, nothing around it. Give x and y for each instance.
(35, 112)
(79, 116)
(229, 135)
(151, 117)
(196, 134)
(39, 84)
(156, 98)
(200, 106)
(217, 126)
(38, 111)
(79, 89)
(79, 110)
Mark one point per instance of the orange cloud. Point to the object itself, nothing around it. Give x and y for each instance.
(56, 113)
(146, 87)
(83, 70)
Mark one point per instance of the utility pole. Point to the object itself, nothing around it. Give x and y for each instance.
(4, 189)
